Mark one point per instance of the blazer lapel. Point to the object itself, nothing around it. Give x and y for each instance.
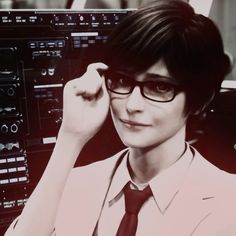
(194, 202)
(82, 202)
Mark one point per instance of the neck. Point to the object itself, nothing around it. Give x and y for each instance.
(147, 163)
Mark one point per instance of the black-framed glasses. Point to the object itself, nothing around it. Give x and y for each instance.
(154, 90)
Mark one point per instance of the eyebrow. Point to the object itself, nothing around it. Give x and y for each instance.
(162, 78)
(159, 76)
(151, 76)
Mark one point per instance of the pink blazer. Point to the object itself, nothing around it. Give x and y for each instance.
(204, 206)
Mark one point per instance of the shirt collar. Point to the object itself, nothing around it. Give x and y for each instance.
(164, 186)
(119, 180)
(168, 182)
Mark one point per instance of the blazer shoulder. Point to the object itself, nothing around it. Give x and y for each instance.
(210, 176)
(96, 170)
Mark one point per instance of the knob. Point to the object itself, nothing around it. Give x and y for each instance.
(69, 18)
(2, 146)
(56, 18)
(14, 128)
(51, 71)
(43, 71)
(4, 129)
(11, 92)
(9, 146)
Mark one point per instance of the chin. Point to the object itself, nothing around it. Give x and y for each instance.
(138, 142)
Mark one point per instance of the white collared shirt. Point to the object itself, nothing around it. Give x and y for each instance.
(151, 217)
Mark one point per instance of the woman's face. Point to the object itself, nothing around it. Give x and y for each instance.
(142, 123)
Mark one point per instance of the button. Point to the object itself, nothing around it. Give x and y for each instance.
(11, 159)
(21, 179)
(51, 44)
(33, 45)
(10, 170)
(42, 44)
(21, 168)
(13, 180)
(4, 181)
(60, 43)
(3, 171)
(3, 161)
(20, 158)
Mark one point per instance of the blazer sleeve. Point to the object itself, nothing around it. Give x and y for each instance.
(10, 230)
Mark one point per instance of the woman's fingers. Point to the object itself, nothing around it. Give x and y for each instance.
(85, 103)
(89, 85)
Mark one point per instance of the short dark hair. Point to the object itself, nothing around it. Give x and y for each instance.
(190, 45)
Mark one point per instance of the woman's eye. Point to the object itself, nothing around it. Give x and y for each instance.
(163, 87)
(124, 81)
(121, 81)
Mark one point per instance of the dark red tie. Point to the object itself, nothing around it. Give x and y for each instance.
(134, 200)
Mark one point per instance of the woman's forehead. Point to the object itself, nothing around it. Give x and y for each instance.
(158, 70)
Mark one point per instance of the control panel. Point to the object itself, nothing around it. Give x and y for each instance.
(39, 52)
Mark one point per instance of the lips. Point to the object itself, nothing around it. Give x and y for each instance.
(131, 123)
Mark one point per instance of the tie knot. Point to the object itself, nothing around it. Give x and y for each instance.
(134, 199)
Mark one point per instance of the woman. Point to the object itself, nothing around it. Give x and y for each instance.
(164, 63)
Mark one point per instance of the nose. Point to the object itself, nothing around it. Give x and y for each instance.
(135, 102)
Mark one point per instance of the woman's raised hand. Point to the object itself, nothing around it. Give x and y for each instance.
(85, 104)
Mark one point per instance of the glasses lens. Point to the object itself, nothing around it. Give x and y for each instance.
(118, 83)
(159, 91)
